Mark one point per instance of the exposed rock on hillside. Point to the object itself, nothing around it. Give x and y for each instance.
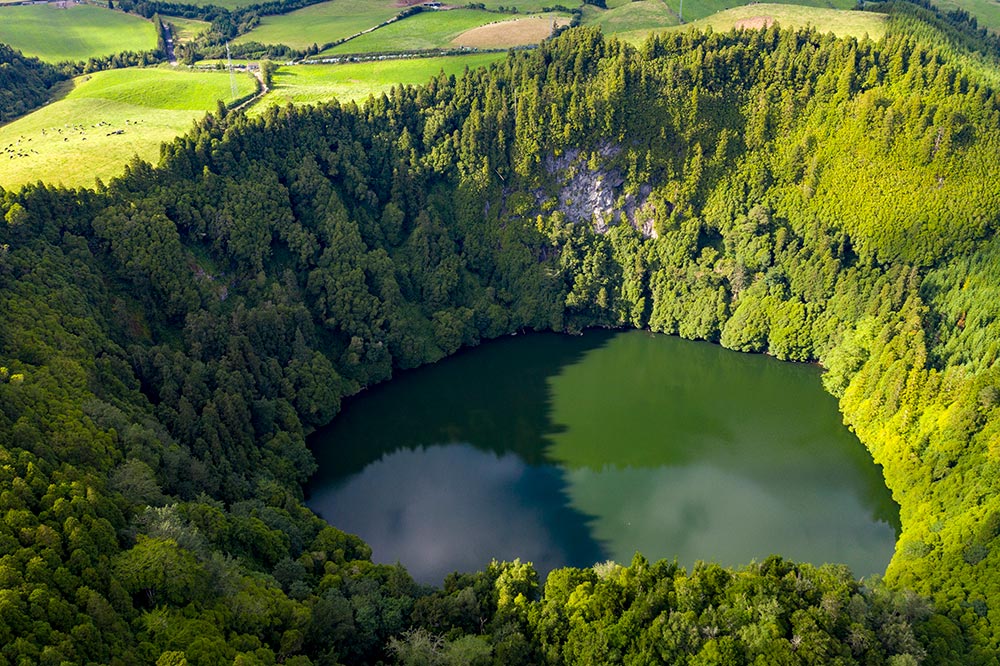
(592, 193)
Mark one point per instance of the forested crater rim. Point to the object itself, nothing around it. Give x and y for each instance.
(169, 339)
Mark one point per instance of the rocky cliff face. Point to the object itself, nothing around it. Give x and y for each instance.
(595, 194)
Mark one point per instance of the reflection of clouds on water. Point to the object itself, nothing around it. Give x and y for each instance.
(702, 512)
(442, 509)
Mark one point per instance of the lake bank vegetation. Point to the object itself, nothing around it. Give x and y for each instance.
(169, 339)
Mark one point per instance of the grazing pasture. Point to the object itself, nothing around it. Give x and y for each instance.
(78, 32)
(105, 119)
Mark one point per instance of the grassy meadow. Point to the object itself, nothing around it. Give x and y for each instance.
(699, 9)
(314, 84)
(839, 22)
(321, 24)
(105, 119)
(76, 33)
(641, 15)
(427, 30)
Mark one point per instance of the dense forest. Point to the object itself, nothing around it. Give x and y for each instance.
(24, 83)
(170, 338)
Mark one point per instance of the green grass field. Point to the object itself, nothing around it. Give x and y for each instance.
(322, 24)
(314, 84)
(77, 33)
(839, 22)
(699, 9)
(186, 29)
(75, 139)
(427, 30)
(987, 12)
(642, 15)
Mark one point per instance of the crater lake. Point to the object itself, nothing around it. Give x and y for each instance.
(571, 450)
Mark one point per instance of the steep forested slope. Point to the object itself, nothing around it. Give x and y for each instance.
(24, 83)
(169, 340)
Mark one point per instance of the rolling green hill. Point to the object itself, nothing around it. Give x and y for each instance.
(76, 33)
(840, 22)
(323, 23)
(986, 12)
(698, 9)
(105, 119)
(424, 31)
(642, 15)
(313, 84)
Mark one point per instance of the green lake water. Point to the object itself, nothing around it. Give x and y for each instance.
(571, 450)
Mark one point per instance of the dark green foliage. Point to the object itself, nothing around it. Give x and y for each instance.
(170, 340)
(116, 61)
(25, 83)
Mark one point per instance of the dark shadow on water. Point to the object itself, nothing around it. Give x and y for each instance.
(491, 397)
(444, 467)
